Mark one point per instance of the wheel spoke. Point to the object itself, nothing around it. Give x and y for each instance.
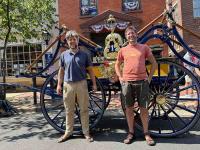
(58, 114)
(183, 89)
(168, 118)
(91, 107)
(96, 104)
(97, 99)
(58, 105)
(62, 124)
(94, 111)
(154, 87)
(183, 108)
(166, 82)
(182, 99)
(176, 83)
(159, 117)
(154, 106)
(176, 115)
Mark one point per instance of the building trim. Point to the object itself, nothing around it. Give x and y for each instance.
(120, 16)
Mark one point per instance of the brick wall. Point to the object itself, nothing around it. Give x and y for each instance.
(69, 11)
(190, 23)
(69, 14)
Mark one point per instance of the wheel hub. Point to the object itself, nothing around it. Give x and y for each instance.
(161, 99)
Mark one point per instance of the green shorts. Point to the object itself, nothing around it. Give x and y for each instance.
(135, 91)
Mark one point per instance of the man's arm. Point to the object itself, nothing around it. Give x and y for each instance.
(154, 66)
(60, 80)
(117, 70)
(92, 76)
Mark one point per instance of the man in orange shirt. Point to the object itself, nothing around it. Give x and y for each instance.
(134, 81)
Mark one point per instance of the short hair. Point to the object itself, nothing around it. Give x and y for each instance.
(130, 28)
(71, 33)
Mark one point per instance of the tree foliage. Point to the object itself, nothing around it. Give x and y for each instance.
(23, 19)
(26, 18)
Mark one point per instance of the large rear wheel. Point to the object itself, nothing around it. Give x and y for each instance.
(170, 112)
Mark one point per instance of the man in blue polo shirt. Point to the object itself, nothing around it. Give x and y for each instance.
(74, 64)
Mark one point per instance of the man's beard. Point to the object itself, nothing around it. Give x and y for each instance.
(73, 47)
(133, 41)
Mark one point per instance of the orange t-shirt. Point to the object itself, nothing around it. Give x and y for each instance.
(134, 58)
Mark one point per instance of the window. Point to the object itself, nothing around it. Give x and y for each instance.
(18, 57)
(130, 5)
(88, 7)
(196, 8)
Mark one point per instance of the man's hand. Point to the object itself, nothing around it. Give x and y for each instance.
(121, 80)
(149, 80)
(59, 90)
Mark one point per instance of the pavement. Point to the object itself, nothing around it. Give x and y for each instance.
(23, 102)
(28, 130)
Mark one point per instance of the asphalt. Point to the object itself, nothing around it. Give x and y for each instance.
(28, 130)
(23, 102)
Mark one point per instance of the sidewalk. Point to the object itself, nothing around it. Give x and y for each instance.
(23, 102)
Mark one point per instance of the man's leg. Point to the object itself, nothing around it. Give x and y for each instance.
(130, 118)
(83, 102)
(144, 117)
(69, 103)
(130, 121)
(127, 99)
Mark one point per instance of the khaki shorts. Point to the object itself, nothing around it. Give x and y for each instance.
(135, 91)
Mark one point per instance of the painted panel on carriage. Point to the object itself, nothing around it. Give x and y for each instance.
(164, 70)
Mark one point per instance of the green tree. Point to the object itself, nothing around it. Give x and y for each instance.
(24, 19)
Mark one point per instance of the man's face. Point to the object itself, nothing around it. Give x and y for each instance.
(72, 42)
(131, 36)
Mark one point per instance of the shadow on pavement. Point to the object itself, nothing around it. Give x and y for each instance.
(25, 126)
(112, 127)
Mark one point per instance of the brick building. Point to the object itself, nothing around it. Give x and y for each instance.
(187, 14)
(88, 16)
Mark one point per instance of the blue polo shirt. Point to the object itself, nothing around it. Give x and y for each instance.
(75, 65)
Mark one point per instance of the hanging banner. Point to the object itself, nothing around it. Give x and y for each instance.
(122, 25)
(99, 27)
(130, 6)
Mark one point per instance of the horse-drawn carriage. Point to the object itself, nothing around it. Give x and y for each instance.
(168, 113)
